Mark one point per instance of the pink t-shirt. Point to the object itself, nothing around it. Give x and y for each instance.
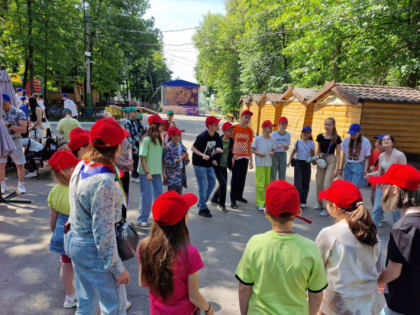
(178, 302)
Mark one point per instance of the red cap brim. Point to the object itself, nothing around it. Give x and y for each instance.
(323, 194)
(377, 180)
(126, 133)
(190, 199)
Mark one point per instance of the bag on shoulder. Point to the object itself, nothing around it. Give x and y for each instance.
(127, 239)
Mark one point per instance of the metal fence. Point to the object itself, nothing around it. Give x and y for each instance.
(55, 113)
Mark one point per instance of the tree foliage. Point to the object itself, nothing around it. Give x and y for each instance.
(48, 38)
(306, 42)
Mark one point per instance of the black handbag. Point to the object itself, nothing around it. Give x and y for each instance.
(127, 239)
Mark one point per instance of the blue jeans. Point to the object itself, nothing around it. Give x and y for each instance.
(94, 285)
(206, 180)
(354, 172)
(378, 211)
(149, 191)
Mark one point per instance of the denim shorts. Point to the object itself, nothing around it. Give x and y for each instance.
(57, 239)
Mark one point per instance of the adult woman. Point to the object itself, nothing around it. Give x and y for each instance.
(95, 202)
(151, 168)
(389, 156)
(329, 150)
(355, 163)
(35, 118)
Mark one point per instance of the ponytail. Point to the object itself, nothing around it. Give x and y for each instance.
(361, 224)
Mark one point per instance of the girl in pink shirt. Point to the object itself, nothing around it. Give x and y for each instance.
(168, 264)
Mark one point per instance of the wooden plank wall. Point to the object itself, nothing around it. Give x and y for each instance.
(268, 112)
(255, 119)
(295, 112)
(344, 116)
(277, 115)
(400, 120)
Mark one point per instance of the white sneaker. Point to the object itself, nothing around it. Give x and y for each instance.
(127, 305)
(31, 175)
(70, 301)
(324, 213)
(303, 205)
(3, 187)
(260, 208)
(21, 188)
(319, 207)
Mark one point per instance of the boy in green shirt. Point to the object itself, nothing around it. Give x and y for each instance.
(280, 271)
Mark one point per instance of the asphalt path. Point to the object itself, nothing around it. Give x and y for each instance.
(29, 277)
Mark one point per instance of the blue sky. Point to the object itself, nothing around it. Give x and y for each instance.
(180, 14)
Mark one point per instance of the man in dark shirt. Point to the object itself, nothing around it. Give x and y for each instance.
(206, 146)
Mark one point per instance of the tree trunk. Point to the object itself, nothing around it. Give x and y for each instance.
(30, 48)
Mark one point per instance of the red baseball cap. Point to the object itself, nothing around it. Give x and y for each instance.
(282, 197)
(342, 193)
(226, 126)
(172, 131)
(78, 138)
(171, 207)
(155, 119)
(267, 123)
(402, 175)
(247, 112)
(283, 120)
(63, 159)
(212, 120)
(109, 131)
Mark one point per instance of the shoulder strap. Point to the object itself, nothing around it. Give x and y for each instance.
(297, 145)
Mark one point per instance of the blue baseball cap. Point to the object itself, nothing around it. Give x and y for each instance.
(23, 98)
(380, 136)
(19, 90)
(354, 129)
(6, 98)
(307, 129)
(64, 95)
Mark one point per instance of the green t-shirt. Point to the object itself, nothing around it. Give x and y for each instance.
(59, 200)
(281, 269)
(225, 154)
(153, 153)
(67, 124)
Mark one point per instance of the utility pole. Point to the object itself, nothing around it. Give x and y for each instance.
(88, 55)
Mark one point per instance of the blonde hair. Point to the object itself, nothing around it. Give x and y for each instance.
(403, 199)
(61, 177)
(105, 155)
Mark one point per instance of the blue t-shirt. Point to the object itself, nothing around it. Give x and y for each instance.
(25, 109)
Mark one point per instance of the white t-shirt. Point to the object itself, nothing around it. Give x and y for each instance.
(35, 145)
(18, 101)
(281, 140)
(263, 145)
(352, 269)
(68, 103)
(304, 149)
(365, 150)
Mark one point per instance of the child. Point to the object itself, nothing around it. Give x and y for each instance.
(206, 145)
(280, 269)
(150, 168)
(304, 149)
(173, 281)
(242, 140)
(374, 162)
(175, 154)
(224, 161)
(62, 164)
(137, 131)
(263, 149)
(401, 278)
(282, 138)
(351, 253)
(78, 141)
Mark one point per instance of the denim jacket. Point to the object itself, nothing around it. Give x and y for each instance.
(174, 171)
(95, 207)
